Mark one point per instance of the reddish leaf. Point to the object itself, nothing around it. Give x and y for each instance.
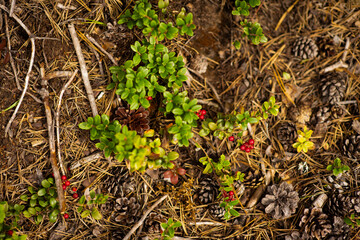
(181, 171)
(168, 174)
(175, 179)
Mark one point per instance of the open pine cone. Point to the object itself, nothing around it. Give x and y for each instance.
(126, 210)
(135, 119)
(316, 223)
(119, 183)
(208, 191)
(287, 135)
(340, 229)
(281, 200)
(332, 87)
(351, 146)
(305, 48)
(338, 204)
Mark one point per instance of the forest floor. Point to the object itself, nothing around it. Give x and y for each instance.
(224, 80)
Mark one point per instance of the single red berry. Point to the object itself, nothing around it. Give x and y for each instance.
(66, 216)
(251, 141)
(197, 114)
(52, 174)
(202, 117)
(247, 150)
(251, 147)
(63, 177)
(242, 147)
(203, 112)
(75, 195)
(67, 183)
(64, 187)
(74, 189)
(10, 232)
(231, 193)
(149, 98)
(231, 138)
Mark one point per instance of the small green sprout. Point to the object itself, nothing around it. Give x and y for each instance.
(337, 167)
(303, 143)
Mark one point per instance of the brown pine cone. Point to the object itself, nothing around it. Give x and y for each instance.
(153, 221)
(351, 146)
(287, 134)
(332, 87)
(316, 223)
(120, 183)
(126, 210)
(216, 211)
(338, 204)
(208, 191)
(305, 48)
(135, 119)
(340, 229)
(281, 200)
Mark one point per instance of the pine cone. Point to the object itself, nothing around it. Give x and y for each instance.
(208, 191)
(355, 201)
(305, 48)
(338, 204)
(351, 146)
(287, 135)
(297, 236)
(281, 200)
(340, 229)
(316, 223)
(253, 179)
(153, 221)
(119, 183)
(126, 210)
(216, 211)
(332, 87)
(134, 119)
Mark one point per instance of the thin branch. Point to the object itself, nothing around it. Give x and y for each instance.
(101, 49)
(31, 36)
(88, 159)
(141, 221)
(12, 7)
(45, 95)
(84, 72)
(57, 115)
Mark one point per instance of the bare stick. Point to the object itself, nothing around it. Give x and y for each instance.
(84, 72)
(141, 221)
(341, 63)
(45, 95)
(31, 36)
(88, 159)
(57, 115)
(101, 49)
(12, 7)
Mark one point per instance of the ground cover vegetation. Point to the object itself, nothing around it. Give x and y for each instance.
(182, 119)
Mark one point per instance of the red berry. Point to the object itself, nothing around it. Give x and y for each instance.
(197, 114)
(251, 141)
(251, 147)
(247, 150)
(52, 174)
(202, 117)
(10, 232)
(74, 189)
(66, 216)
(231, 193)
(203, 112)
(64, 187)
(75, 195)
(242, 147)
(63, 177)
(149, 98)
(67, 183)
(231, 138)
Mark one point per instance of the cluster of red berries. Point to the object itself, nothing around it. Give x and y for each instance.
(66, 183)
(228, 195)
(149, 98)
(201, 114)
(247, 146)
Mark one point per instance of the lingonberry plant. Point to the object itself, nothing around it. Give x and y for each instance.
(337, 167)
(168, 229)
(172, 175)
(140, 152)
(40, 202)
(9, 216)
(90, 206)
(251, 30)
(303, 142)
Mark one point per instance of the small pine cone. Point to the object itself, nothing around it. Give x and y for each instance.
(119, 183)
(208, 191)
(316, 223)
(126, 210)
(216, 211)
(281, 200)
(305, 48)
(153, 221)
(340, 229)
(351, 146)
(355, 201)
(287, 135)
(253, 179)
(332, 87)
(297, 236)
(338, 204)
(135, 119)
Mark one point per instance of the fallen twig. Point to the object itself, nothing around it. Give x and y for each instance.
(84, 72)
(12, 7)
(141, 221)
(341, 63)
(87, 159)
(57, 115)
(31, 36)
(45, 95)
(93, 41)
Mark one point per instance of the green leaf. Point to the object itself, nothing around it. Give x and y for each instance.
(53, 218)
(24, 197)
(53, 202)
(234, 213)
(33, 203)
(92, 194)
(177, 111)
(45, 183)
(41, 192)
(237, 44)
(204, 132)
(173, 155)
(96, 214)
(85, 213)
(213, 126)
(85, 126)
(32, 210)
